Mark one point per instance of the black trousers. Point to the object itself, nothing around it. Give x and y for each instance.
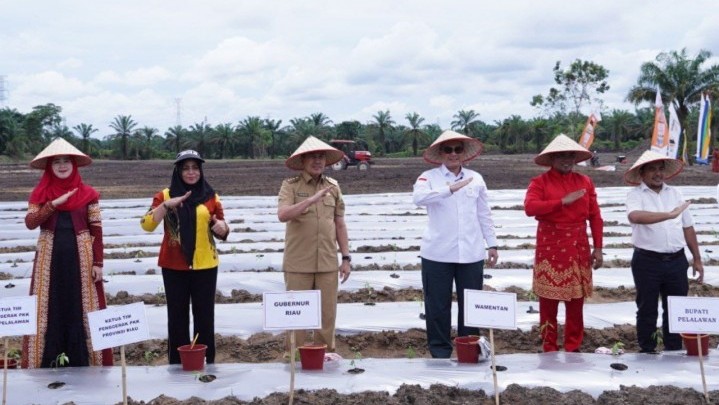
(656, 275)
(182, 288)
(437, 279)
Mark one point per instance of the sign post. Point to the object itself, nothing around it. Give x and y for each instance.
(493, 310)
(697, 315)
(118, 326)
(292, 310)
(18, 316)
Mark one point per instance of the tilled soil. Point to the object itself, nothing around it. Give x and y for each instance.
(141, 179)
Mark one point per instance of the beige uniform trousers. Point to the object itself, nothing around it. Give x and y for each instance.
(327, 283)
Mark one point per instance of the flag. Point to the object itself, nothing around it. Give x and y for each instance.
(675, 131)
(588, 134)
(703, 131)
(660, 135)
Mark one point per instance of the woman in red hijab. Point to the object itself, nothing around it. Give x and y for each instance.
(67, 274)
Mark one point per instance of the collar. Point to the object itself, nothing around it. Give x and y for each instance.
(307, 178)
(446, 173)
(644, 187)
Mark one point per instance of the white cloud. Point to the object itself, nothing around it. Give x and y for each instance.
(235, 58)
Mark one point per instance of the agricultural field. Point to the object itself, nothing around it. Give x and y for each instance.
(379, 318)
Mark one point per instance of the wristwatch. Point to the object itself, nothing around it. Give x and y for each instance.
(347, 258)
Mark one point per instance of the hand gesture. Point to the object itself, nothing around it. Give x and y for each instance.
(573, 196)
(320, 194)
(63, 198)
(458, 185)
(219, 227)
(177, 201)
(678, 210)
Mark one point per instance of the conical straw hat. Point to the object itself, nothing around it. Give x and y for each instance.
(562, 143)
(59, 147)
(312, 144)
(672, 167)
(472, 147)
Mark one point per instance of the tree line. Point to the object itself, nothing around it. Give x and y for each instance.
(680, 78)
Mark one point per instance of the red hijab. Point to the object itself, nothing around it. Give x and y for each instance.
(51, 187)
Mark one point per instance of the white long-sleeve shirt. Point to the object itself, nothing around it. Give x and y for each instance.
(665, 236)
(460, 225)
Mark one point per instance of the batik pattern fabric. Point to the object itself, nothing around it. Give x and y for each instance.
(563, 262)
(87, 226)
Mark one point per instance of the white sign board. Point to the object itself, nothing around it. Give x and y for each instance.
(693, 314)
(118, 326)
(18, 316)
(489, 309)
(292, 310)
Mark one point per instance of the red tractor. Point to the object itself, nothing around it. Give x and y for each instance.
(353, 157)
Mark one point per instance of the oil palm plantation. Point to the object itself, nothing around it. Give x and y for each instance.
(463, 121)
(414, 131)
(85, 131)
(124, 127)
(680, 78)
(384, 122)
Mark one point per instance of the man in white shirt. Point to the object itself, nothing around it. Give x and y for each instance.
(661, 227)
(459, 236)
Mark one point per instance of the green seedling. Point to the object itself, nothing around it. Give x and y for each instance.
(617, 348)
(60, 361)
(411, 353)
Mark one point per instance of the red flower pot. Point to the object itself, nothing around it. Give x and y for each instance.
(467, 349)
(11, 363)
(690, 342)
(193, 359)
(312, 356)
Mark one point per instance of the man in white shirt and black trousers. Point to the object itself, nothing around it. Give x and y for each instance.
(661, 227)
(459, 235)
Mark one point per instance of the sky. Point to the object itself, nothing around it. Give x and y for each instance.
(184, 62)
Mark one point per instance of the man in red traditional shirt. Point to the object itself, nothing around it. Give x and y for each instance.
(563, 201)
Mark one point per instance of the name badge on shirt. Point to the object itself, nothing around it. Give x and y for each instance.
(303, 195)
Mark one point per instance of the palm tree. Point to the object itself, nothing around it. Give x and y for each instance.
(147, 135)
(225, 137)
(384, 124)
(680, 79)
(253, 133)
(124, 126)
(322, 125)
(175, 138)
(274, 127)
(199, 134)
(415, 120)
(620, 122)
(540, 130)
(85, 131)
(463, 120)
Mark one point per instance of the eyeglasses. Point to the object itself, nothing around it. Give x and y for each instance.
(447, 150)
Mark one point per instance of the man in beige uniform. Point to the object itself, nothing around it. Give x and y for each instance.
(312, 207)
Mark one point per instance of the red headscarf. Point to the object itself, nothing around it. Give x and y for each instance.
(51, 187)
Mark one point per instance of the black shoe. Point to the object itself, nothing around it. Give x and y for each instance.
(649, 352)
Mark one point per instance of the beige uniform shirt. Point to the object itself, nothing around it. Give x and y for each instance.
(311, 238)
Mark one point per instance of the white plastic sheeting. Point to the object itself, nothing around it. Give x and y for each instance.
(590, 373)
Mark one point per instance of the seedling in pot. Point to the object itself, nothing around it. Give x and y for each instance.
(357, 358)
